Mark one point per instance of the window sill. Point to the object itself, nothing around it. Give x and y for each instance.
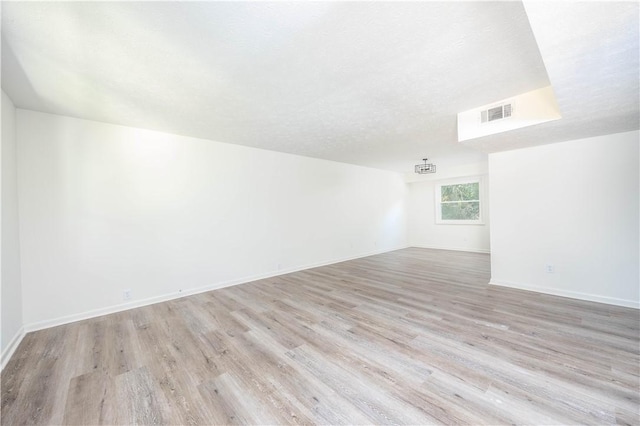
(459, 222)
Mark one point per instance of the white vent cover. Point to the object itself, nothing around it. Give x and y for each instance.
(496, 113)
(502, 115)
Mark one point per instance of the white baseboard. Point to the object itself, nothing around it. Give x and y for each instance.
(570, 294)
(39, 325)
(11, 348)
(471, 250)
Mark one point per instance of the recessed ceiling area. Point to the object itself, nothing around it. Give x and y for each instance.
(590, 51)
(377, 84)
(526, 109)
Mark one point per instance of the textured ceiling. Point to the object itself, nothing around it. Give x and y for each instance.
(370, 83)
(590, 51)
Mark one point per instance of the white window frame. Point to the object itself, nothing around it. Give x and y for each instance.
(438, 198)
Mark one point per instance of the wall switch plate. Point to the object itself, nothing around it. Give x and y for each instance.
(549, 268)
(126, 294)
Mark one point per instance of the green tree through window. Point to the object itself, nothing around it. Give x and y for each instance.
(460, 201)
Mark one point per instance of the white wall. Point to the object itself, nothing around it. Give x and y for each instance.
(423, 231)
(11, 293)
(573, 205)
(105, 208)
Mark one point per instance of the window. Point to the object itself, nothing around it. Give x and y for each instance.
(459, 202)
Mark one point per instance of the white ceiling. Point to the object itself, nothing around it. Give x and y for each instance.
(371, 83)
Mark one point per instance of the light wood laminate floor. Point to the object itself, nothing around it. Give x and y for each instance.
(414, 336)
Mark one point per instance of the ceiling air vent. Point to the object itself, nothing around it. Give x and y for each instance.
(503, 115)
(496, 113)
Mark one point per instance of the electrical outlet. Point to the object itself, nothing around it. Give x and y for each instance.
(549, 268)
(126, 294)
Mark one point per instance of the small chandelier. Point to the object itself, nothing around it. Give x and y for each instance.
(425, 168)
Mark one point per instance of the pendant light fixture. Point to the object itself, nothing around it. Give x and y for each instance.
(425, 168)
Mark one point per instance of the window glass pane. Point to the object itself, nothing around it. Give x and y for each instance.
(460, 192)
(461, 211)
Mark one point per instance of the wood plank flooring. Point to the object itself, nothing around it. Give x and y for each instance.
(414, 336)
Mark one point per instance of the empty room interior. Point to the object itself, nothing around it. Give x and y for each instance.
(320, 213)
